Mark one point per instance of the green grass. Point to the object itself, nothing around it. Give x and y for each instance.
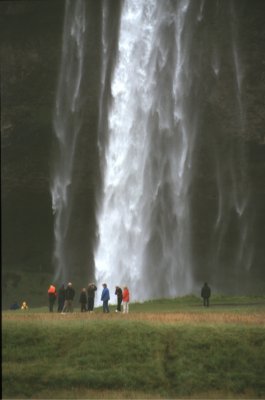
(218, 303)
(113, 356)
(194, 303)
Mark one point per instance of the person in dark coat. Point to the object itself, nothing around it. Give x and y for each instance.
(91, 289)
(69, 297)
(61, 298)
(206, 294)
(118, 293)
(83, 300)
(105, 298)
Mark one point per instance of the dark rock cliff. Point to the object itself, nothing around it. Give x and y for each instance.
(31, 39)
(30, 53)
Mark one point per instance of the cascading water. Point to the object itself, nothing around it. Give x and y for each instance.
(169, 119)
(169, 73)
(144, 225)
(67, 123)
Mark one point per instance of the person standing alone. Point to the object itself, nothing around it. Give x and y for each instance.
(206, 294)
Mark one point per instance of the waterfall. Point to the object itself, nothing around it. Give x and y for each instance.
(144, 222)
(171, 73)
(169, 118)
(67, 124)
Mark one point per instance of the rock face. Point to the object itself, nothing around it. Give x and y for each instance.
(31, 35)
(247, 147)
(31, 40)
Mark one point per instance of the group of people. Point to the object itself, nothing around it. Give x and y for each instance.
(66, 296)
(123, 297)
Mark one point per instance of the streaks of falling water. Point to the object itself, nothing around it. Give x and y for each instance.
(144, 223)
(231, 175)
(152, 121)
(145, 230)
(67, 123)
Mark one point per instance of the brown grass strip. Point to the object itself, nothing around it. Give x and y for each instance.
(167, 317)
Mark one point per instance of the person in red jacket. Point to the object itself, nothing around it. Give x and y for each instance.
(52, 297)
(125, 299)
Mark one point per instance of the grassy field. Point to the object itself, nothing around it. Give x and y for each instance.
(161, 349)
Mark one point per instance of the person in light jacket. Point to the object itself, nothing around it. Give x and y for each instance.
(105, 298)
(24, 306)
(125, 299)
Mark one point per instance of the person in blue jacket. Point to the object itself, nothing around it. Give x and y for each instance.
(105, 298)
(14, 306)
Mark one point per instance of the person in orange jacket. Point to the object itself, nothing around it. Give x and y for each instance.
(52, 297)
(125, 299)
